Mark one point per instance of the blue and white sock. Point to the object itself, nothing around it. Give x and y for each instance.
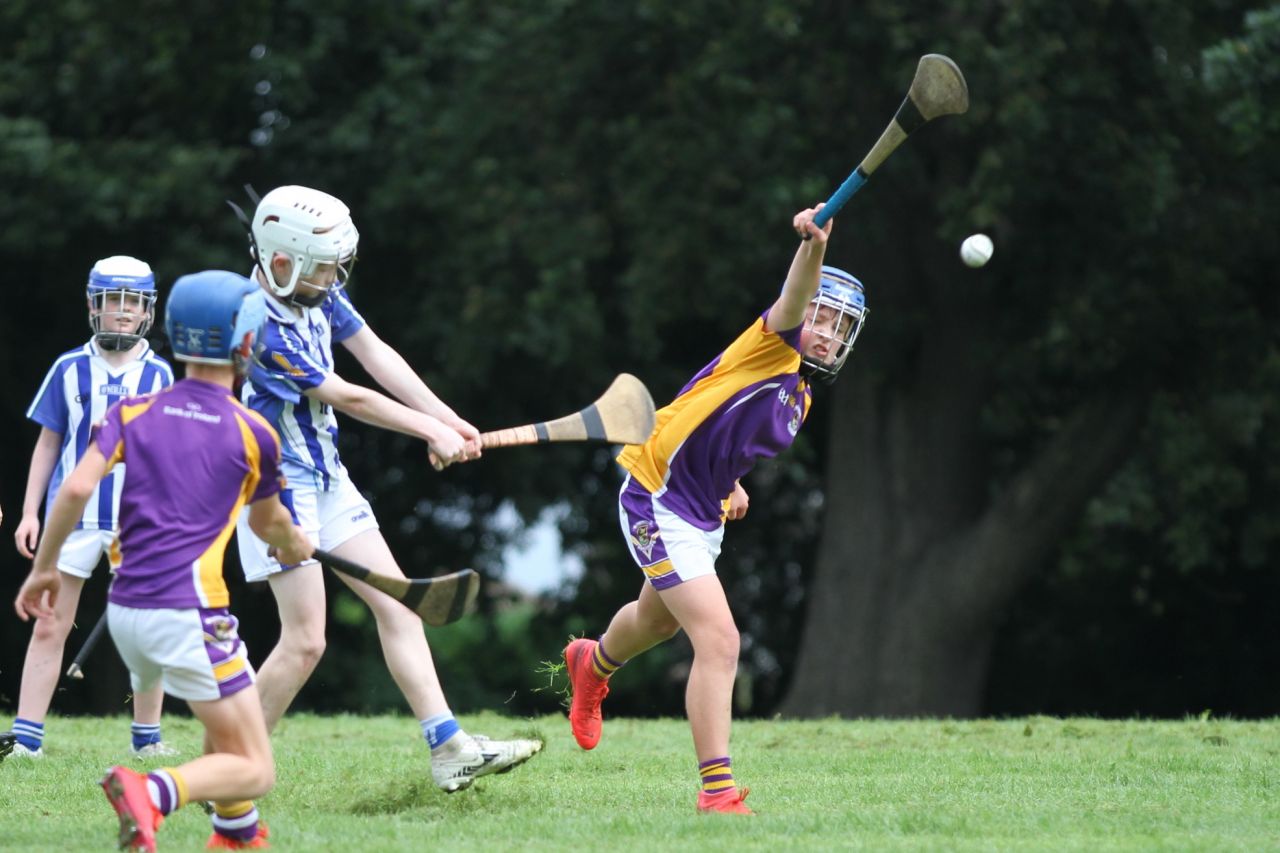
(439, 729)
(145, 734)
(30, 735)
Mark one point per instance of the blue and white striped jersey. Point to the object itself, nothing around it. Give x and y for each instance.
(295, 353)
(75, 395)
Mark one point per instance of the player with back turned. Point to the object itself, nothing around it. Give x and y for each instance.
(684, 483)
(196, 456)
(77, 391)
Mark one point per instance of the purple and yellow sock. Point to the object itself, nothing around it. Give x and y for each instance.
(237, 821)
(168, 790)
(717, 778)
(601, 664)
(29, 734)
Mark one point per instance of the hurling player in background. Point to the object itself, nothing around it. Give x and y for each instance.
(81, 385)
(684, 483)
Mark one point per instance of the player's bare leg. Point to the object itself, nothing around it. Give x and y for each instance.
(639, 626)
(635, 628)
(457, 759)
(702, 610)
(240, 766)
(400, 631)
(300, 600)
(43, 665)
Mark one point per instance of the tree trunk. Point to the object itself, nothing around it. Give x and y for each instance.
(917, 561)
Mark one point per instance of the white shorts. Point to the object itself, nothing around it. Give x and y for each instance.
(667, 548)
(84, 549)
(328, 518)
(196, 653)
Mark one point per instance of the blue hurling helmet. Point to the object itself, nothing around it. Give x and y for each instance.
(214, 317)
(121, 292)
(843, 294)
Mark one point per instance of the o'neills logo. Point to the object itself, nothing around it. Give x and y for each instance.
(644, 538)
(116, 390)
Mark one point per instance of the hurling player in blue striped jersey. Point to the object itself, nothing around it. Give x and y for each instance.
(81, 385)
(304, 242)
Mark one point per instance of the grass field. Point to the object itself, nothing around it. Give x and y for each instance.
(1029, 784)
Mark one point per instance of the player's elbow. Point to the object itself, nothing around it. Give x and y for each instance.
(79, 489)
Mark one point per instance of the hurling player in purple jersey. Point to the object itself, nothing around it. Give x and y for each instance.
(684, 483)
(195, 456)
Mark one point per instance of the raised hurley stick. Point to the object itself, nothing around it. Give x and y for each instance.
(938, 89)
(439, 600)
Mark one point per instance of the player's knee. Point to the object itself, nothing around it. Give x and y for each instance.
(307, 646)
(719, 644)
(664, 626)
(53, 629)
(262, 779)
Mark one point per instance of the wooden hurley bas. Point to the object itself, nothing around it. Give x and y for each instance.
(624, 414)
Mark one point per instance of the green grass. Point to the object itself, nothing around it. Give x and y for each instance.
(1030, 784)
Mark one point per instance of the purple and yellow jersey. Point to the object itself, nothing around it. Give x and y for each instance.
(75, 395)
(295, 354)
(747, 404)
(196, 455)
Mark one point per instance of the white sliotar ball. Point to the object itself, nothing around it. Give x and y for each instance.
(976, 250)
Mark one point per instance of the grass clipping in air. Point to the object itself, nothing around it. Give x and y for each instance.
(1028, 784)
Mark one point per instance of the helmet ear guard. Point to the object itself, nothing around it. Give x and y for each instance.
(120, 286)
(843, 294)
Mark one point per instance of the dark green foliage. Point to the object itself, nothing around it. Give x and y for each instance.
(550, 193)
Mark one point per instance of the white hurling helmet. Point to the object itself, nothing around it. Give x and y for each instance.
(310, 227)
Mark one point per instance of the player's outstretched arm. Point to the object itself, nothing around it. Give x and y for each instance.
(43, 458)
(802, 279)
(375, 408)
(40, 590)
(390, 370)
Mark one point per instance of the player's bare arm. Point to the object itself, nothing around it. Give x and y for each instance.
(372, 407)
(802, 279)
(390, 370)
(40, 590)
(739, 501)
(272, 523)
(43, 459)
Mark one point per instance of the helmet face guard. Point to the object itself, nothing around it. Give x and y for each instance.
(122, 297)
(836, 315)
(313, 230)
(214, 317)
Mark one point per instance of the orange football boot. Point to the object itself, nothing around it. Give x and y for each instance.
(218, 841)
(139, 819)
(589, 691)
(728, 802)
